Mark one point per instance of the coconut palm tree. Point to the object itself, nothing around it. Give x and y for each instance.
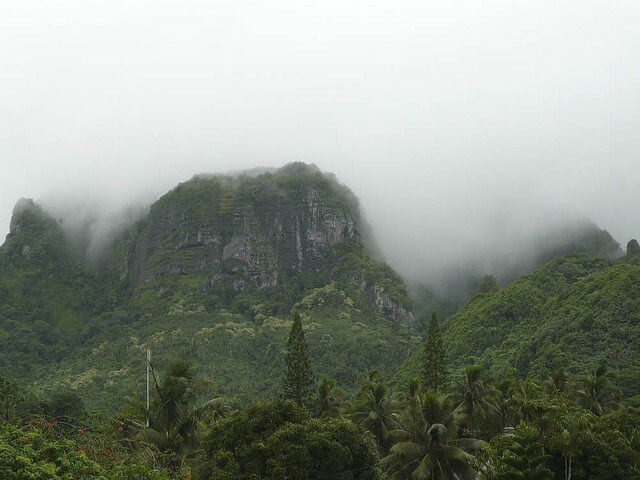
(476, 400)
(376, 411)
(502, 415)
(525, 402)
(328, 398)
(558, 381)
(216, 409)
(174, 415)
(410, 397)
(426, 447)
(597, 394)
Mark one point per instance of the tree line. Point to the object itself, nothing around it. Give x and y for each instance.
(435, 427)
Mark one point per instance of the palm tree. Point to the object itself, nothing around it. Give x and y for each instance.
(477, 401)
(596, 393)
(375, 411)
(502, 416)
(173, 416)
(558, 381)
(425, 409)
(411, 396)
(217, 408)
(525, 404)
(426, 447)
(328, 397)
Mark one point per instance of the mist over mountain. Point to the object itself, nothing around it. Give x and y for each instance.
(360, 240)
(461, 128)
(447, 262)
(223, 260)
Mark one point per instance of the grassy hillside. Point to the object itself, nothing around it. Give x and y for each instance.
(574, 313)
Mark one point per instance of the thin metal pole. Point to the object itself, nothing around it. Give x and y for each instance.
(148, 382)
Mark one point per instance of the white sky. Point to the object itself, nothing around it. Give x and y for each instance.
(456, 123)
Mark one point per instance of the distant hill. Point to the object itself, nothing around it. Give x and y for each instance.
(574, 312)
(456, 282)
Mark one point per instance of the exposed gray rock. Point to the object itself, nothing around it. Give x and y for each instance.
(246, 235)
(388, 307)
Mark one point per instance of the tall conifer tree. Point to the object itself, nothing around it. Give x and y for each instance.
(298, 382)
(433, 368)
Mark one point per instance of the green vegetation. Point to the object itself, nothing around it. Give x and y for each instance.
(461, 433)
(524, 458)
(426, 445)
(31, 454)
(265, 283)
(575, 313)
(281, 440)
(298, 378)
(433, 373)
(212, 274)
(45, 293)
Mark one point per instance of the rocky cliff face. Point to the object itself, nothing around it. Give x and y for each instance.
(246, 233)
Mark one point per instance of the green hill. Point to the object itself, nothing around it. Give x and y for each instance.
(212, 273)
(575, 312)
(45, 293)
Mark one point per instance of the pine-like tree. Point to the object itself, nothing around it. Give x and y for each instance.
(298, 382)
(433, 368)
(525, 458)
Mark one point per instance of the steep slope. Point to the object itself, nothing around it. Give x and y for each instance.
(45, 293)
(212, 274)
(574, 312)
(233, 242)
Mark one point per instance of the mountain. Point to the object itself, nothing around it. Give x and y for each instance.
(240, 241)
(45, 293)
(213, 270)
(211, 273)
(512, 259)
(574, 312)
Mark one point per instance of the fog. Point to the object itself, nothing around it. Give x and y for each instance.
(467, 129)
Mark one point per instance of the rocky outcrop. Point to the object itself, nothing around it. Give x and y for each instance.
(387, 307)
(633, 248)
(326, 227)
(245, 255)
(225, 229)
(246, 233)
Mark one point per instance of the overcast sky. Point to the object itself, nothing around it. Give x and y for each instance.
(456, 123)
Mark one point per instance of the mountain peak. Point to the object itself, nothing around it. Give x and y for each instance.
(33, 234)
(215, 238)
(26, 214)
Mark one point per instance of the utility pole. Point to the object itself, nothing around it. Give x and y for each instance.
(148, 381)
